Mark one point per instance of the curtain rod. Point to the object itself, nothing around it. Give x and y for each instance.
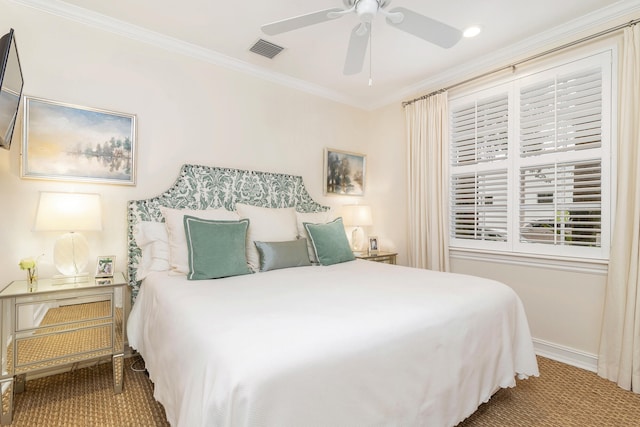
(522, 61)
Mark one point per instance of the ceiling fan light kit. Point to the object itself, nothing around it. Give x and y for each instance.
(367, 9)
(406, 20)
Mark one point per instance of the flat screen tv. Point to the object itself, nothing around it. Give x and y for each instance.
(11, 83)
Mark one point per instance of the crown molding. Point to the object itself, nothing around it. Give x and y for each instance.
(143, 35)
(500, 57)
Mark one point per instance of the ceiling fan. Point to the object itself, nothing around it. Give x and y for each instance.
(428, 29)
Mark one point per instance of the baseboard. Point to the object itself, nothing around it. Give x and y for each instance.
(570, 356)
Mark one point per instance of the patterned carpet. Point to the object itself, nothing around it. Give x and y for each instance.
(563, 396)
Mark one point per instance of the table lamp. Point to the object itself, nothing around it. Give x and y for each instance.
(70, 212)
(357, 216)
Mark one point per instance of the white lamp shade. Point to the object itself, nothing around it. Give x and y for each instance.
(357, 215)
(68, 212)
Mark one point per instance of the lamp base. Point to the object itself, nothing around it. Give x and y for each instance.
(71, 254)
(357, 240)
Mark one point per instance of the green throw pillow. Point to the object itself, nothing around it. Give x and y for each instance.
(216, 248)
(274, 255)
(330, 242)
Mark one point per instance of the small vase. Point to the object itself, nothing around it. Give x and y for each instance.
(32, 279)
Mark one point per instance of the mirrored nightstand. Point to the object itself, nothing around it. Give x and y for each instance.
(381, 256)
(52, 325)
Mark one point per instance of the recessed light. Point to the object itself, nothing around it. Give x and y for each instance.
(472, 31)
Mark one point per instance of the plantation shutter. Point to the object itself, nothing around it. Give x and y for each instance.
(480, 131)
(560, 200)
(560, 204)
(562, 114)
(479, 208)
(530, 168)
(479, 150)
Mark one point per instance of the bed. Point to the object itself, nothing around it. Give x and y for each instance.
(349, 343)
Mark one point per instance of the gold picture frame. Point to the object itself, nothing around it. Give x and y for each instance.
(344, 173)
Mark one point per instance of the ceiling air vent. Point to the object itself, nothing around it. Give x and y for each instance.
(266, 49)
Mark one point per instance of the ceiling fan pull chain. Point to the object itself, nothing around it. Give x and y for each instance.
(370, 55)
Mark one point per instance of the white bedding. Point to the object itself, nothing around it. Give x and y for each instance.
(353, 344)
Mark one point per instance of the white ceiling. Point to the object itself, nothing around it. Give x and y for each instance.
(402, 65)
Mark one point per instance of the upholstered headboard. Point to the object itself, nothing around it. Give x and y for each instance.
(205, 187)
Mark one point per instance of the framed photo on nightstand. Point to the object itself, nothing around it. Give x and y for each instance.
(105, 266)
(373, 245)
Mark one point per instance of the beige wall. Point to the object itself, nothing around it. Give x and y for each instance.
(564, 308)
(388, 179)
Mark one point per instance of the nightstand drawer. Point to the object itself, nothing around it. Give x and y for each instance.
(48, 349)
(48, 313)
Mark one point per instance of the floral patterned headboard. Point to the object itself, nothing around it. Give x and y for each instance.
(204, 187)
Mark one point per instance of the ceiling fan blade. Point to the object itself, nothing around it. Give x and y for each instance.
(428, 29)
(357, 49)
(296, 22)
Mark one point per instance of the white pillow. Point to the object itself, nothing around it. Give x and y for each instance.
(177, 239)
(313, 218)
(153, 240)
(267, 225)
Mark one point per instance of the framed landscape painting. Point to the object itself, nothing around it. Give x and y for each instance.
(73, 143)
(344, 173)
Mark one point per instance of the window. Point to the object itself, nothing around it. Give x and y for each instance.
(530, 163)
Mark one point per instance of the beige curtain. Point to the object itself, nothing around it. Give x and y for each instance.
(427, 123)
(619, 358)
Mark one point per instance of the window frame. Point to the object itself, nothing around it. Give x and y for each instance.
(604, 57)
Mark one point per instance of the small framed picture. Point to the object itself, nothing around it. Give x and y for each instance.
(373, 245)
(105, 266)
(344, 173)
